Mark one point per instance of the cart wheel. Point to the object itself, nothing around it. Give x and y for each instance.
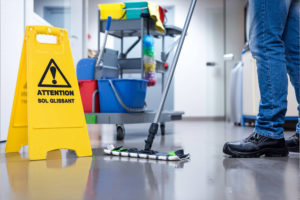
(162, 129)
(120, 132)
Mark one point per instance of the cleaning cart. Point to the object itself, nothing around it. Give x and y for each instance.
(137, 24)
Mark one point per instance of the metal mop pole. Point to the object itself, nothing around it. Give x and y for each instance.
(108, 22)
(154, 126)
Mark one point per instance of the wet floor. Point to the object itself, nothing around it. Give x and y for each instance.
(208, 175)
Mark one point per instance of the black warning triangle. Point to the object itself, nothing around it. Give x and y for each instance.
(53, 70)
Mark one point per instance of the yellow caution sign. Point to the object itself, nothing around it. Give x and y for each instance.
(47, 112)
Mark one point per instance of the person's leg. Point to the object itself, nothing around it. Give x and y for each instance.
(291, 39)
(268, 19)
(268, 23)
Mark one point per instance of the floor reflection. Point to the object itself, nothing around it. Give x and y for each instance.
(149, 179)
(94, 177)
(279, 179)
(63, 173)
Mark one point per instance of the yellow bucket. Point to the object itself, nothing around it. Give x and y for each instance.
(115, 10)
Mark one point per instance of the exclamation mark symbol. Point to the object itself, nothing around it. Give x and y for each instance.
(53, 72)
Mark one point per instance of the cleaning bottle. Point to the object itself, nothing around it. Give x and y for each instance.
(149, 60)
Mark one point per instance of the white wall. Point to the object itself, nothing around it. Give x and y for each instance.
(77, 24)
(234, 37)
(12, 26)
(199, 90)
(39, 5)
(93, 24)
(11, 39)
(31, 18)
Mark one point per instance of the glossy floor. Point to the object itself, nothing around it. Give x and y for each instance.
(208, 175)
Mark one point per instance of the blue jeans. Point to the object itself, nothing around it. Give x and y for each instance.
(274, 43)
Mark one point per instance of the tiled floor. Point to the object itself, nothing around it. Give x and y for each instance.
(208, 175)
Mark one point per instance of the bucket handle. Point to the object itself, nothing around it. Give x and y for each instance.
(122, 103)
(94, 101)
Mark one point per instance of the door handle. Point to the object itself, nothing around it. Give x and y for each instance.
(228, 57)
(74, 36)
(211, 64)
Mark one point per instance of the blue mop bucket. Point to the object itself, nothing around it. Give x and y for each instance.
(122, 95)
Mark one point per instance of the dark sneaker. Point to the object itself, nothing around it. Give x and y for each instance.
(292, 143)
(255, 146)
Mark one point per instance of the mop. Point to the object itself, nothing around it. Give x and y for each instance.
(147, 153)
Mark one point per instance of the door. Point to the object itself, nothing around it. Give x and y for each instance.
(199, 77)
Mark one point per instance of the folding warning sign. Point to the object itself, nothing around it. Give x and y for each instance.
(47, 112)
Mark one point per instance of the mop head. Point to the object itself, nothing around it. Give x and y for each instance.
(154, 155)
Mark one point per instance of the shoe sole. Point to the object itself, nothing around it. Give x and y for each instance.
(293, 149)
(268, 152)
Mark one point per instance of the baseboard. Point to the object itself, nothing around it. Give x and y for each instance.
(218, 118)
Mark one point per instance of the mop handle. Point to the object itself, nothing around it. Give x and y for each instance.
(175, 60)
(108, 22)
